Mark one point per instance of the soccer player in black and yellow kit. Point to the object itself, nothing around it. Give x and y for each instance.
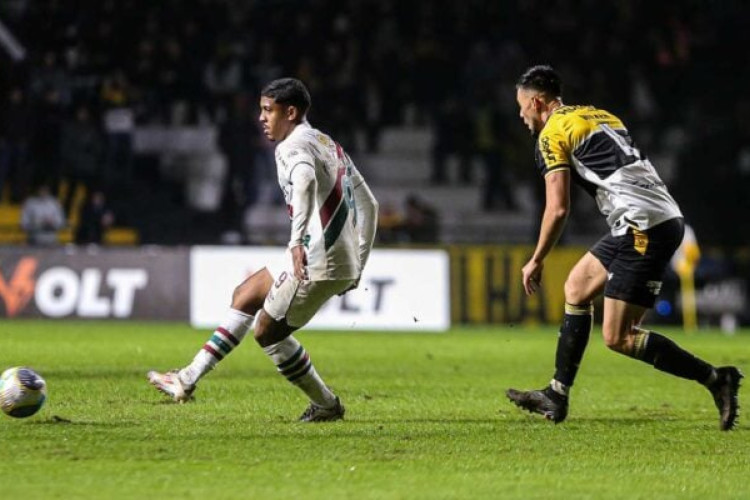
(593, 148)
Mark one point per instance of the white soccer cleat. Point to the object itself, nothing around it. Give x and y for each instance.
(170, 384)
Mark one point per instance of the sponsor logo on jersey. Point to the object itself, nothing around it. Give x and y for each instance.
(646, 185)
(549, 156)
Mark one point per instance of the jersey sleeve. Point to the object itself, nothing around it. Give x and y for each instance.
(366, 207)
(552, 150)
(355, 176)
(304, 186)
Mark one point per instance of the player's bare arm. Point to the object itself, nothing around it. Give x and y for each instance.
(556, 209)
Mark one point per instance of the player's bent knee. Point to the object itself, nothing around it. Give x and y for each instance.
(612, 342)
(574, 294)
(617, 341)
(262, 326)
(269, 331)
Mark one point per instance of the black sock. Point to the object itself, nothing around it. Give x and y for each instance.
(574, 336)
(665, 355)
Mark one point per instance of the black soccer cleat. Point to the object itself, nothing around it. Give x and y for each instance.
(724, 390)
(546, 402)
(315, 413)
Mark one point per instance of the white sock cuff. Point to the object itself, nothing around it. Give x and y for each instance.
(282, 351)
(237, 317)
(237, 323)
(559, 387)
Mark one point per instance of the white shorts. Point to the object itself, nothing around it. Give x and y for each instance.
(297, 301)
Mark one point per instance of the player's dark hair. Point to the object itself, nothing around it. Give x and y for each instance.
(541, 78)
(290, 92)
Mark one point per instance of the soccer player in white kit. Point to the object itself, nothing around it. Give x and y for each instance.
(333, 221)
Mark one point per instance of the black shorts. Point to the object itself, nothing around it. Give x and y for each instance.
(636, 261)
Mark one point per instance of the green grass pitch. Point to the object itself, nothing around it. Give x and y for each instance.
(426, 418)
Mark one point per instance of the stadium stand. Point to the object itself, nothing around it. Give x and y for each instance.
(403, 85)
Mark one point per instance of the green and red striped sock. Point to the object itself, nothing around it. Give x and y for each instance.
(293, 362)
(223, 341)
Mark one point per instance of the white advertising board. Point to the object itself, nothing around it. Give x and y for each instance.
(399, 290)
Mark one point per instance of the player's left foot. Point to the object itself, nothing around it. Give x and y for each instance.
(170, 384)
(724, 390)
(546, 402)
(315, 413)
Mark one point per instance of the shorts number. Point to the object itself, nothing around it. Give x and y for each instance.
(281, 279)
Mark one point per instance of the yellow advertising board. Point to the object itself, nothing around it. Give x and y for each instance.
(486, 284)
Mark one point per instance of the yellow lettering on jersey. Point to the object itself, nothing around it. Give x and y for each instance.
(549, 156)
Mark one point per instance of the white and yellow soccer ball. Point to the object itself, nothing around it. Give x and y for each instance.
(22, 392)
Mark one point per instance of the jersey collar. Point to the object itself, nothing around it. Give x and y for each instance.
(304, 125)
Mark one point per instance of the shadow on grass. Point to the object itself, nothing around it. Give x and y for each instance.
(58, 420)
(426, 420)
(639, 421)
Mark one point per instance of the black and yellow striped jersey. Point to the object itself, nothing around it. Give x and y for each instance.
(596, 147)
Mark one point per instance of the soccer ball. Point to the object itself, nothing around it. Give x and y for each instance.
(22, 392)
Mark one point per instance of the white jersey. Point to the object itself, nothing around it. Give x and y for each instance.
(329, 229)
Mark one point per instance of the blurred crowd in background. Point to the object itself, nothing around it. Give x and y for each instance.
(674, 71)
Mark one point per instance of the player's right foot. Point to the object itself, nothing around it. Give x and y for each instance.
(724, 390)
(315, 413)
(546, 402)
(170, 384)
